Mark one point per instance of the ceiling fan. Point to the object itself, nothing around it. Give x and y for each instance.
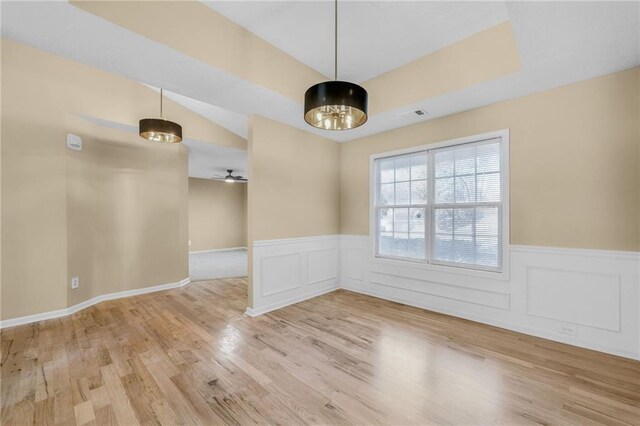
(229, 177)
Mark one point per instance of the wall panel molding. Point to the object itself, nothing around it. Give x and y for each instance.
(291, 270)
(583, 297)
(280, 273)
(323, 265)
(217, 250)
(609, 254)
(443, 290)
(570, 296)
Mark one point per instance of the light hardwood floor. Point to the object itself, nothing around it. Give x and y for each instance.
(190, 356)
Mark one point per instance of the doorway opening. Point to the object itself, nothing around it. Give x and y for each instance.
(217, 212)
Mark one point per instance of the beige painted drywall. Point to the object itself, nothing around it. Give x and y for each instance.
(0, 184)
(34, 233)
(484, 56)
(574, 166)
(217, 214)
(211, 38)
(126, 226)
(294, 190)
(294, 184)
(44, 97)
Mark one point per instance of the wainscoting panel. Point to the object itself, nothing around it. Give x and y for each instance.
(571, 296)
(587, 298)
(322, 265)
(454, 292)
(352, 263)
(280, 273)
(291, 270)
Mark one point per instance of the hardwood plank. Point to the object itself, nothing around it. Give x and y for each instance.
(191, 356)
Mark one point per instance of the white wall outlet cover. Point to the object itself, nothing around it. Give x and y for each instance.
(568, 329)
(75, 283)
(189, 242)
(74, 142)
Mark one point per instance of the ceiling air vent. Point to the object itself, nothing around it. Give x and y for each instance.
(413, 114)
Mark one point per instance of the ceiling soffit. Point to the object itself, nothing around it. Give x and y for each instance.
(484, 56)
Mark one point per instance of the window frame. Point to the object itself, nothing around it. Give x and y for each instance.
(443, 266)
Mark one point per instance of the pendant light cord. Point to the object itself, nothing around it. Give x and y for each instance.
(160, 102)
(335, 62)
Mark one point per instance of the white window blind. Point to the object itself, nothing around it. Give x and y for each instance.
(442, 206)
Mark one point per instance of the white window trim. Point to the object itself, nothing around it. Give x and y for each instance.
(503, 274)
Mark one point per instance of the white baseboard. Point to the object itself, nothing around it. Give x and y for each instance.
(581, 297)
(585, 298)
(216, 250)
(28, 319)
(253, 312)
(496, 323)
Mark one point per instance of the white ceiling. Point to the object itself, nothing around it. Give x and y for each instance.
(558, 42)
(373, 37)
(206, 160)
(232, 121)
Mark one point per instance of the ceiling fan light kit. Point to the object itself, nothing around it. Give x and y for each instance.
(229, 178)
(159, 129)
(335, 105)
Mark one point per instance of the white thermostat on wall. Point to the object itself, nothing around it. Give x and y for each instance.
(74, 142)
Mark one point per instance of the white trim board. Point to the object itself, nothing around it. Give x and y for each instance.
(291, 270)
(546, 305)
(570, 340)
(254, 312)
(300, 240)
(28, 319)
(217, 250)
(581, 297)
(613, 254)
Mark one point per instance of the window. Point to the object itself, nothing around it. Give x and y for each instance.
(443, 205)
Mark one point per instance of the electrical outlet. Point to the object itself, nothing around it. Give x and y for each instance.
(568, 329)
(189, 242)
(75, 283)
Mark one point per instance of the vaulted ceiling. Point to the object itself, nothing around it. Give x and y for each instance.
(227, 60)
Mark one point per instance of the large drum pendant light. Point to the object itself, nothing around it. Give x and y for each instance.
(335, 105)
(159, 129)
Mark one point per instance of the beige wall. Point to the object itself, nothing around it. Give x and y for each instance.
(34, 232)
(217, 214)
(125, 225)
(294, 185)
(486, 55)
(57, 203)
(294, 188)
(235, 50)
(574, 166)
(575, 177)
